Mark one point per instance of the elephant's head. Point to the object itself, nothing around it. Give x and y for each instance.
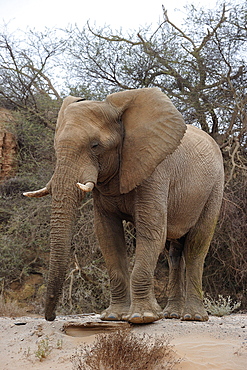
(122, 138)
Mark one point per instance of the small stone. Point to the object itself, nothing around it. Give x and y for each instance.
(20, 323)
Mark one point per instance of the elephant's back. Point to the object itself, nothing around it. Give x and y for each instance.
(200, 152)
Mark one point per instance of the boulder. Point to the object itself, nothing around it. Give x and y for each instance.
(8, 146)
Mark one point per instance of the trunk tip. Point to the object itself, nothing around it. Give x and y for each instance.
(50, 317)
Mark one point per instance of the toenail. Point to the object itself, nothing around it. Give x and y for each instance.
(112, 316)
(148, 314)
(135, 315)
(187, 317)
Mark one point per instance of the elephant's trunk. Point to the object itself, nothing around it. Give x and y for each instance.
(64, 207)
(65, 200)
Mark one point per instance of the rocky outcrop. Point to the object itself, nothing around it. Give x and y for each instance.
(8, 146)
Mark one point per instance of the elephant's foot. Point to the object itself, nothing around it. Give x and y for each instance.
(115, 312)
(144, 313)
(194, 311)
(174, 308)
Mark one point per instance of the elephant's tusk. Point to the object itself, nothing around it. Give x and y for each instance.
(86, 187)
(37, 194)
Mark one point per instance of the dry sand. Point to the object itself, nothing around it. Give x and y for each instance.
(220, 343)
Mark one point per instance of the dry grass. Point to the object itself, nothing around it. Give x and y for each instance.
(123, 350)
(10, 308)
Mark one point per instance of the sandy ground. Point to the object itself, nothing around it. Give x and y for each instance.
(220, 343)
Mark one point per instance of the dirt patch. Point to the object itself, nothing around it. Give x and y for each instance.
(220, 343)
(85, 329)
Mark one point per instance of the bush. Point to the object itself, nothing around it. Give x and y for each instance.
(26, 233)
(123, 350)
(221, 306)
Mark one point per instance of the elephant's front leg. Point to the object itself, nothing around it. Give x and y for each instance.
(150, 239)
(109, 230)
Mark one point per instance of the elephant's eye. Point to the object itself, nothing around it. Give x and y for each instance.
(94, 145)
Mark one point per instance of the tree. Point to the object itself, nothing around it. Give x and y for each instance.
(25, 69)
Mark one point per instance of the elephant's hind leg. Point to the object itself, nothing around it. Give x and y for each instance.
(196, 247)
(176, 285)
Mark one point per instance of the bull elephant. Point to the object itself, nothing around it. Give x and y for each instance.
(143, 164)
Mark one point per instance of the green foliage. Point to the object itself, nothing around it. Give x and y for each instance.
(87, 92)
(44, 349)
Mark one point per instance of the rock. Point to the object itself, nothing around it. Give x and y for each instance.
(8, 146)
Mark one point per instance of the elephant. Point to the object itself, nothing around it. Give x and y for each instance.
(144, 165)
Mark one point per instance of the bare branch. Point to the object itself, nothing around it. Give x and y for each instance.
(112, 38)
(186, 37)
(214, 30)
(50, 86)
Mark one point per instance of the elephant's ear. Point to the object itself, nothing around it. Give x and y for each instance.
(60, 119)
(153, 130)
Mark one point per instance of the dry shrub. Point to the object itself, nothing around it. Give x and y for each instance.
(221, 306)
(10, 308)
(123, 350)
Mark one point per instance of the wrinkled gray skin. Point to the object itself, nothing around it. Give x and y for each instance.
(145, 166)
